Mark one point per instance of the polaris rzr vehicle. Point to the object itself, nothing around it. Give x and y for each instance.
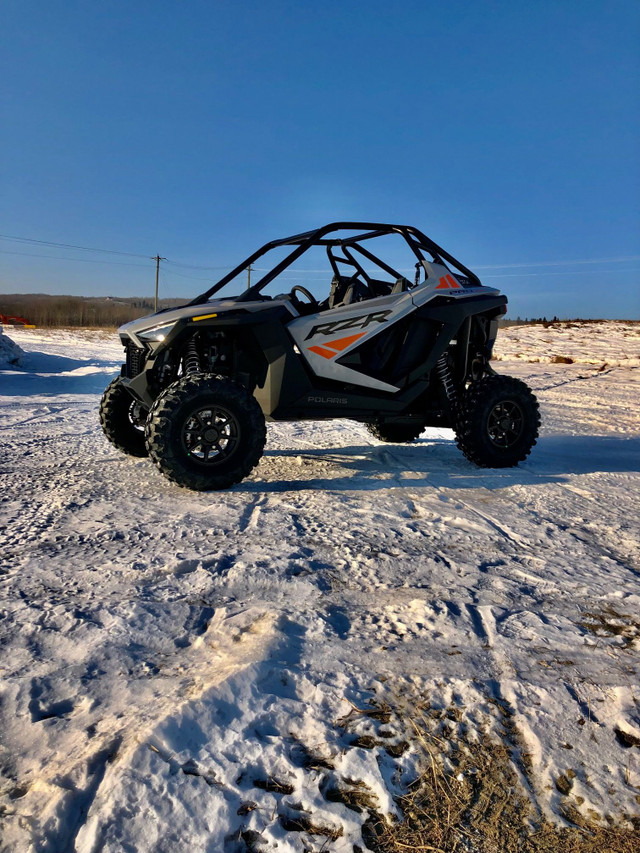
(396, 353)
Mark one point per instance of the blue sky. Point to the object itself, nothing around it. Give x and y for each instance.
(507, 131)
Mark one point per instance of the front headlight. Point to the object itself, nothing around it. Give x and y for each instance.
(156, 333)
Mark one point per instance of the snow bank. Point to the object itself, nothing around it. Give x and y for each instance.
(10, 353)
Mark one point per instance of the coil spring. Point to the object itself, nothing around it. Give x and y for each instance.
(191, 358)
(444, 372)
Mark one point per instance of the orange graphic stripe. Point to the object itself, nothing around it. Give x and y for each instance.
(342, 343)
(336, 345)
(325, 353)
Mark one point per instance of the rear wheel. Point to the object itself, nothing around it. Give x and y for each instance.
(205, 432)
(395, 432)
(122, 419)
(497, 422)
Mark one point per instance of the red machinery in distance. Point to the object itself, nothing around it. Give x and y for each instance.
(12, 320)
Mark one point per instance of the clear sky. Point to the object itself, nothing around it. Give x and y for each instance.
(199, 129)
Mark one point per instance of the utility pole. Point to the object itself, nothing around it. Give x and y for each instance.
(157, 259)
(249, 268)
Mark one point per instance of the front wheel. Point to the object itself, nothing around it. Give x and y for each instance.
(205, 432)
(497, 422)
(122, 419)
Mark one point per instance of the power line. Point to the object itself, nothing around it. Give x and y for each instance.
(184, 275)
(548, 274)
(33, 240)
(69, 246)
(293, 272)
(299, 272)
(196, 267)
(619, 260)
(79, 260)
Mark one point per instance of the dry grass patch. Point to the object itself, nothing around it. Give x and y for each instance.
(609, 623)
(471, 797)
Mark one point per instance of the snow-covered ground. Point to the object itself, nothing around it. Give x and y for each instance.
(573, 341)
(177, 667)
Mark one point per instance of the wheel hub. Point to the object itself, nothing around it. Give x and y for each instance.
(137, 416)
(210, 435)
(505, 424)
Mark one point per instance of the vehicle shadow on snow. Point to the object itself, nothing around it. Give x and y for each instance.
(439, 464)
(41, 374)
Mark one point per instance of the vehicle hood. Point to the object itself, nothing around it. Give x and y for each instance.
(162, 318)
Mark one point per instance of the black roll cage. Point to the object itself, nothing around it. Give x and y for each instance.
(415, 239)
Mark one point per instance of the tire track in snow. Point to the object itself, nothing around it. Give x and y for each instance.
(251, 515)
(394, 462)
(501, 678)
(499, 527)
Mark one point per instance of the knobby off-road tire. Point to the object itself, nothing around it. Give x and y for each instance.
(122, 419)
(205, 432)
(395, 432)
(497, 422)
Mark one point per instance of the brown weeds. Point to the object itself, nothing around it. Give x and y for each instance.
(468, 799)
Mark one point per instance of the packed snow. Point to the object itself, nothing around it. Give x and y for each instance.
(195, 671)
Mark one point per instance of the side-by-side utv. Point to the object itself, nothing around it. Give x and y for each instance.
(398, 352)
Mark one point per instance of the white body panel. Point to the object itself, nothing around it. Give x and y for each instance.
(320, 337)
(324, 337)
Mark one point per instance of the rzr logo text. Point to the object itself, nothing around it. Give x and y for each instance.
(352, 323)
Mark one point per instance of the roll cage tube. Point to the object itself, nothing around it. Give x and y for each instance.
(348, 259)
(414, 238)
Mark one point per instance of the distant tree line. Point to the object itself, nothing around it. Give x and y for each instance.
(542, 321)
(534, 321)
(41, 309)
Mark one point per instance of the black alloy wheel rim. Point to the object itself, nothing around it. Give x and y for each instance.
(505, 424)
(137, 416)
(210, 435)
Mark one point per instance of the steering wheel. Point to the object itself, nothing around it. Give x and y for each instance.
(313, 302)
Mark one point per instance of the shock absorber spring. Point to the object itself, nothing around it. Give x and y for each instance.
(444, 372)
(191, 358)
